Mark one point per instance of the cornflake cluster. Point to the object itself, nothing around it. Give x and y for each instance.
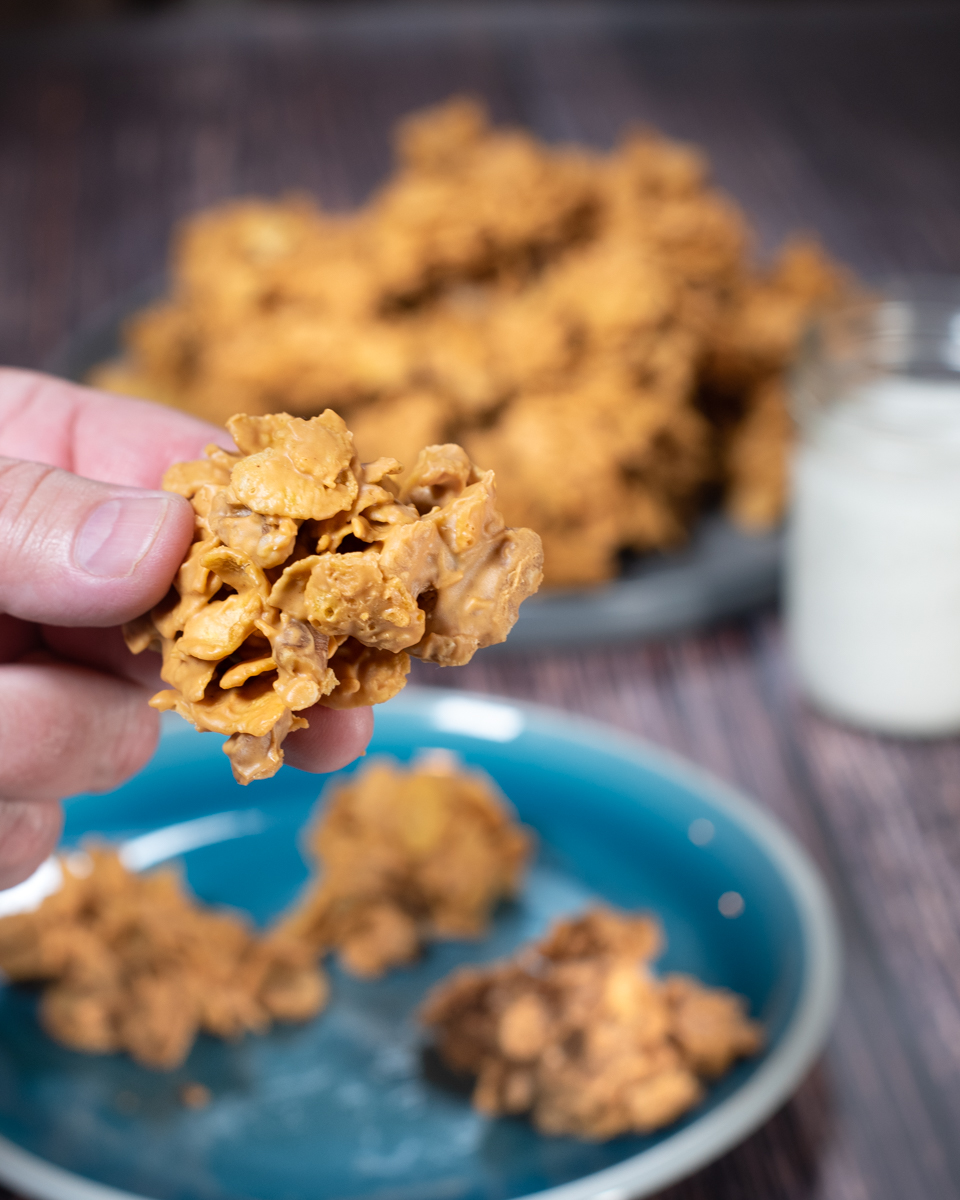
(521, 300)
(578, 1032)
(313, 576)
(132, 962)
(407, 856)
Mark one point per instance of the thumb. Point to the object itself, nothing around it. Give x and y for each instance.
(75, 552)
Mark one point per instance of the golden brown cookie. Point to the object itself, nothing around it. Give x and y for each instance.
(578, 1031)
(313, 576)
(406, 856)
(133, 962)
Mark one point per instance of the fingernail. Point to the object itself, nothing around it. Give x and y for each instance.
(118, 534)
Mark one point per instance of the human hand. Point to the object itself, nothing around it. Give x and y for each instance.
(78, 558)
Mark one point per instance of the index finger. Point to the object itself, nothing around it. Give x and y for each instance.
(113, 439)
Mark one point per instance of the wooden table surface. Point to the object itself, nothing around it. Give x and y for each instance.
(845, 120)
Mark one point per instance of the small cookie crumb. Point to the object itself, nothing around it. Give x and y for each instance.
(195, 1095)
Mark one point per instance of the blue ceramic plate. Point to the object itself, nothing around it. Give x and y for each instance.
(347, 1107)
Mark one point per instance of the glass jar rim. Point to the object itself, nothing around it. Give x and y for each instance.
(907, 329)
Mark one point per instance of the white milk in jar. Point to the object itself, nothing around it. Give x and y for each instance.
(873, 559)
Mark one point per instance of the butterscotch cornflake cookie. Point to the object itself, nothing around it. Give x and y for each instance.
(590, 326)
(406, 856)
(312, 577)
(577, 1031)
(133, 962)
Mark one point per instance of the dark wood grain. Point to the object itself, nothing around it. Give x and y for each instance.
(844, 120)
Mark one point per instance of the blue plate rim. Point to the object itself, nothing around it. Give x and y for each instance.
(736, 1117)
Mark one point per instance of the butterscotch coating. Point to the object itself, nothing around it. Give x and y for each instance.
(406, 856)
(487, 198)
(754, 460)
(577, 1031)
(758, 331)
(437, 138)
(312, 577)
(399, 427)
(593, 473)
(132, 962)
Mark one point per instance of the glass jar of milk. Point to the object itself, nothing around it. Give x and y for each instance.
(873, 548)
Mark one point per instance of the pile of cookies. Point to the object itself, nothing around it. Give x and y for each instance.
(589, 326)
(575, 1029)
